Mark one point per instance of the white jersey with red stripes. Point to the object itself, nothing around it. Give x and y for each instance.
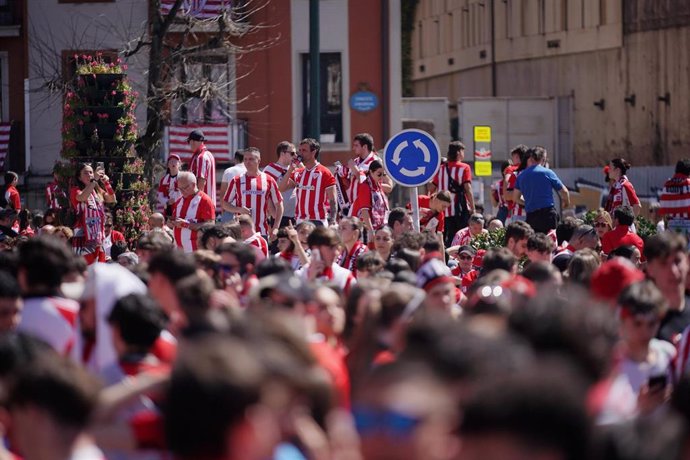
(194, 209)
(51, 319)
(460, 172)
(622, 193)
(312, 197)
(203, 165)
(277, 172)
(90, 219)
(255, 193)
(167, 190)
(675, 197)
(259, 244)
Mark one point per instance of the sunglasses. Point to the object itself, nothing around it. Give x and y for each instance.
(601, 224)
(465, 257)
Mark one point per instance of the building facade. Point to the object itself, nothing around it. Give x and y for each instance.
(360, 52)
(623, 63)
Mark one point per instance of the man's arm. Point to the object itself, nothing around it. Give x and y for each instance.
(223, 189)
(333, 202)
(279, 208)
(565, 196)
(636, 209)
(201, 183)
(286, 181)
(469, 195)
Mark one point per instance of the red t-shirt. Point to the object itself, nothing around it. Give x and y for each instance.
(620, 236)
(428, 218)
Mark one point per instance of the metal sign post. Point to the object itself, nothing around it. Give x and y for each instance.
(411, 159)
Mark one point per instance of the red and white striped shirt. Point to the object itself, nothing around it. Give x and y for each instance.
(675, 197)
(515, 210)
(349, 260)
(460, 172)
(51, 319)
(354, 181)
(53, 192)
(167, 190)
(277, 172)
(254, 192)
(259, 244)
(195, 209)
(203, 165)
(622, 193)
(312, 198)
(90, 224)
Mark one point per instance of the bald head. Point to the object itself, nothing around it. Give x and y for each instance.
(156, 220)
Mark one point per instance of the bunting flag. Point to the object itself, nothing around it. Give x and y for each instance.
(4, 143)
(198, 9)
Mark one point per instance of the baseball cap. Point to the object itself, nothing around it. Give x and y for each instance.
(174, 156)
(432, 273)
(468, 250)
(196, 135)
(286, 283)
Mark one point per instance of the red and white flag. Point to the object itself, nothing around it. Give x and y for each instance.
(217, 141)
(199, 9)
(4, 143)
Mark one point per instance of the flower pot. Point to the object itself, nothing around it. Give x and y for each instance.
(101, 97)
(86, 81)
(108, 81)
(104, 130)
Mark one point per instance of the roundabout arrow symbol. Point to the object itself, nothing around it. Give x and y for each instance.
(397, 152)
(425, 150)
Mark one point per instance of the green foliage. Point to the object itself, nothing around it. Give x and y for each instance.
(493, 239)
(645, 228)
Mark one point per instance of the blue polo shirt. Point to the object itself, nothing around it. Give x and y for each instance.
(537, 184)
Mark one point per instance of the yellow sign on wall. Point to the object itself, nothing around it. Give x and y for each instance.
(482, 134)
(482, 168)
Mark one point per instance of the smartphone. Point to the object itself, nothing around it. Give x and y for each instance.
(657, 382)
(316, 254)
(100, 165)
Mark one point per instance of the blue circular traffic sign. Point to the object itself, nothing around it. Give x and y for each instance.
(411, 157)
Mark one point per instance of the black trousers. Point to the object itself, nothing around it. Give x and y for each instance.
(543, 220)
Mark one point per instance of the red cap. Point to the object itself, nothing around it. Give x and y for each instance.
(174, 155)
(520, 285)
(609, 280)
(479, 258)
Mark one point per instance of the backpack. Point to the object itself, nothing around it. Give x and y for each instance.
(459, 191)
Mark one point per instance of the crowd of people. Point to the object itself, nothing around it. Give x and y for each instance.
(308, 319)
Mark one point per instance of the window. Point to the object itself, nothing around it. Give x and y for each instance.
(206, 91)
(331, 101)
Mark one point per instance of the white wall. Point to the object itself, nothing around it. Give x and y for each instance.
(54, 27)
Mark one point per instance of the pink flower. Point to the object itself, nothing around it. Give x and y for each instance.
(81, 122)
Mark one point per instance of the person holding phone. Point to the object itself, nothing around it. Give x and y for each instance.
(322, 266)
(645, 370)
(92, 190)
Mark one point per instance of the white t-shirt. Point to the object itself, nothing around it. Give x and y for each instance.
(233, 171)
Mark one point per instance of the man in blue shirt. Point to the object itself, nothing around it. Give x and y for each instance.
(535, 184)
